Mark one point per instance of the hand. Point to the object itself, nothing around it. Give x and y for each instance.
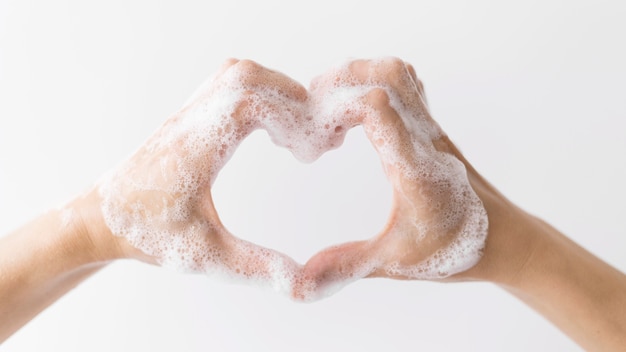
(438, 225)
(158, 203)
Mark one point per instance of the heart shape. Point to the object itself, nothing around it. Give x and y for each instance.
(160, 199)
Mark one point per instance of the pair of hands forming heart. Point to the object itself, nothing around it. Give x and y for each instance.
(159, 202)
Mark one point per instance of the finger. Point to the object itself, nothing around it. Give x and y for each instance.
(268, 94)
(411, 70)
(392, 73)
(400, 81)
(361, 71)
(333, 268)
(250, 263)
(418, 83)
(389, 72)
(256, 93)
(243, 260)
(204, 86)
(257, 77)
(388, 134)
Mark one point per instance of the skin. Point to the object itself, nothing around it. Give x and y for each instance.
(578, 292)
(166, 159)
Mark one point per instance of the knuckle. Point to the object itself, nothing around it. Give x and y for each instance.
(378, 97)
(396, 66)
(391, 70)
(359, 68)
(248, 66)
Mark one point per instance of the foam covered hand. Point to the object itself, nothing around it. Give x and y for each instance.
(438, 225)
(159, 201)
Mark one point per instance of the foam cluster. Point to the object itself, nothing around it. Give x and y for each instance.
(160, 202)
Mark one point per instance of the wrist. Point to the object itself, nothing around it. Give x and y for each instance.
(95, 235)
(577, 291)
(514, 236)
(41, 261)
(90, 232)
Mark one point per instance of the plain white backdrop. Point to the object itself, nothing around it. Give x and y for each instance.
(532, 92)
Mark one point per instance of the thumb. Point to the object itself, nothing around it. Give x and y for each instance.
(333, 268)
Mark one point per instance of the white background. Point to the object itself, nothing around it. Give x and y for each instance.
(533, 92)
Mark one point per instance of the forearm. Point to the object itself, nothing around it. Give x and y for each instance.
(579, 293)
(582, 295)
(39, 263)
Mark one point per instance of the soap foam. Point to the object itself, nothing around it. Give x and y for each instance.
(158, 199)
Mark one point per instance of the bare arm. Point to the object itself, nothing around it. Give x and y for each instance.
(581, 294)
(578, 292)
(45, 259)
